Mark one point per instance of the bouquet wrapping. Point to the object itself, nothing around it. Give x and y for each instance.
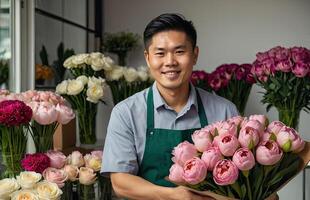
(241, 158)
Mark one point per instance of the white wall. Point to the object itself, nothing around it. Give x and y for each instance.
(228, 31)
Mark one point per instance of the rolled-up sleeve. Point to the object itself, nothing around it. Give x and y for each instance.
(119, 154)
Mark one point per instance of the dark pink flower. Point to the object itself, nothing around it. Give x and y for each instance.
(36, 162)
(14, 113)
(301, 69)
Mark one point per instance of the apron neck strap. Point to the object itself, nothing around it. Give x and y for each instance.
(150, 110)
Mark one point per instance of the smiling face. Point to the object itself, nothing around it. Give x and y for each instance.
(171, 57)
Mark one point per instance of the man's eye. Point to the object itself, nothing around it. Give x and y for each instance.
(180, 52)
(159, 53)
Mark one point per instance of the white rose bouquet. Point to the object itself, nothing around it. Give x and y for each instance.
(84, 93)
(126, 81)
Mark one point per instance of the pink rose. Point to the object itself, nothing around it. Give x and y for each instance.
(76, 158)
(211, 156)
(97, 153)
(65, 114)
(268, 153)
(183, 152)
(248, 137)
(58, 176)
(176, 173)
(228, 144)
(289, 140)
(261, 118)
(275, 127)
(72, 172)
(195, 171)
(227, 127)
(57, 159)
(202, 139)
(244, 159)
(225, 172)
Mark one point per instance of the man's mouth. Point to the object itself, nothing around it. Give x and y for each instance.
(171, 74)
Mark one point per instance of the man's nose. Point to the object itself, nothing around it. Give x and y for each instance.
(170, 60)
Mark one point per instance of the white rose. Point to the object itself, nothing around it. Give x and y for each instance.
(83, 78)
(95, 55)
(75, 87)
(94, 93)
(24, 195)
(7, 187)
(130, 74)
(27, 180)
(68, 63)
(80, 59)
(48, 191)
(143, 75)
(108, 63)
(61, 88)
(115, 74)
(97, 64)
(75, 158)
(95, 81)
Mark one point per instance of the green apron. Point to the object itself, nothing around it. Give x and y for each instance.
(159, 144)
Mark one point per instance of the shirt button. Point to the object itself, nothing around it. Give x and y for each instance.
(151, 132)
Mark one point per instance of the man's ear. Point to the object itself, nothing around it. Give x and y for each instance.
(146, 56)
(196, 53)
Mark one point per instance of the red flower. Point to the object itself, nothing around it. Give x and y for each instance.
(36, 162)
(14, 113)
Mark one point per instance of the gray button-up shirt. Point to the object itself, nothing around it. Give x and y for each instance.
(126, 134)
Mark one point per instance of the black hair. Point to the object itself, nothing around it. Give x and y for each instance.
(166, 22)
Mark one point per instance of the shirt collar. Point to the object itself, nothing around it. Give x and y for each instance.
(160, 102)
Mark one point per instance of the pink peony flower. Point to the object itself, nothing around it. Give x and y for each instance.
(244, 159)
(195, 171)
(248, 137)
(261, 118)
(211, 156)
(183, 152)
(176, 173)
(202, 139)
(237, 120)
(225, 172)
(228, 144)
(275, 127)
(268, 153)
(284, 66)
(227, 127)
(255, 125)
(44, 113)
(97, 153)
(268, 136)
(36, 162)
(58, 176)
(301, 69)
(57, 158)
(289, 140)
(65, 114)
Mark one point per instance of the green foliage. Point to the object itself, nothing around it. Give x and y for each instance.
(4, 71)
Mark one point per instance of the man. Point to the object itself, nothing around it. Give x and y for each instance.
(144, 128)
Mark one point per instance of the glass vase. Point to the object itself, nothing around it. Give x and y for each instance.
(86, 192)
(87, 123)
(42, 136)
(105, 188)
(67, 191)
(289, 117)
(13, 147)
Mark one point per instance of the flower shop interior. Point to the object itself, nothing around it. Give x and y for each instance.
(38, 36)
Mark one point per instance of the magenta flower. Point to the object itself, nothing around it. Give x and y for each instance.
(36, 162)
(14, 113)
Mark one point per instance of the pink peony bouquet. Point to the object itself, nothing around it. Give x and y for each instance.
(241, 158)
(233, 82)
(15, 116)
(284, 73)
(49, 110)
